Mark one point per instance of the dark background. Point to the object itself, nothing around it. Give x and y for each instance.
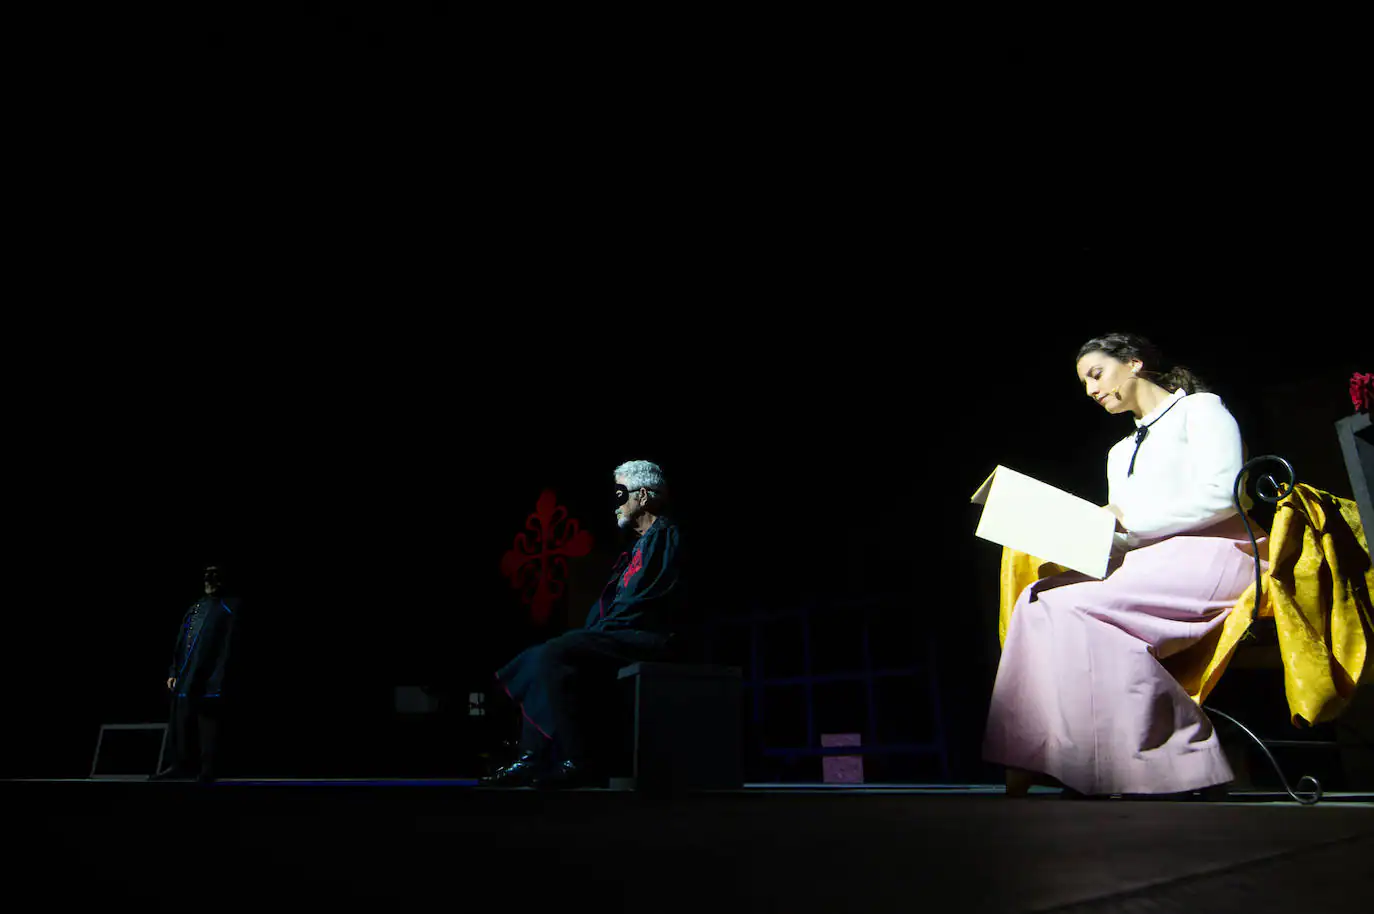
(332, 295)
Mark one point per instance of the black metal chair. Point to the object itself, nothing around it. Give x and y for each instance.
(1270, 491)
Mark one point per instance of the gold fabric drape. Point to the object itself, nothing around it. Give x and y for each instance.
(1317, 591)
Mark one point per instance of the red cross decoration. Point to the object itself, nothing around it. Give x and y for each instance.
(1362, 391)
(537, 562)
(636, 565)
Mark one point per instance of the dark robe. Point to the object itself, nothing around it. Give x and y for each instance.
(198, 663)
(640, 615)
(202, 647)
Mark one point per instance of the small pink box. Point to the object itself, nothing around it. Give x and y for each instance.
(841, 769)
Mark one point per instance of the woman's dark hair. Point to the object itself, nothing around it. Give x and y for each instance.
(1126, 346)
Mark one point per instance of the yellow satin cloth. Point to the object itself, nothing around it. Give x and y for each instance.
(1317, 591)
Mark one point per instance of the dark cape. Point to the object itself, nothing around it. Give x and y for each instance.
(202, 647)
(646, 591)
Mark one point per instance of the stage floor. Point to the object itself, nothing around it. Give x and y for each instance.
(255, 845)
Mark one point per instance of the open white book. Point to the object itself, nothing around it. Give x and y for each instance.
(1034, 517)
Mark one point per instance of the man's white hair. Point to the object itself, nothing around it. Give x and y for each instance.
(641, 474)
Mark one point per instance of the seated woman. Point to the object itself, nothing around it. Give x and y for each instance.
(1081, 698)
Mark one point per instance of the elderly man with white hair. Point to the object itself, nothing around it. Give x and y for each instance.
(637, 616)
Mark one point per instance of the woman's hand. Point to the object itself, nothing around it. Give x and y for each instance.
(1120, 527)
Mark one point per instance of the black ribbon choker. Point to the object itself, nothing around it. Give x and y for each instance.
(1143, 431)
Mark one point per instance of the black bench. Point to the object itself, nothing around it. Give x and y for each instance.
(684, 728)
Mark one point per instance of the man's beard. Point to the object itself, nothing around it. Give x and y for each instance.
(623, 521)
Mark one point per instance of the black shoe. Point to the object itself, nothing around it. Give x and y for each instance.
(519, 773)
(567, 775)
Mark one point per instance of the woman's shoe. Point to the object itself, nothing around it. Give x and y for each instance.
(1019, 782)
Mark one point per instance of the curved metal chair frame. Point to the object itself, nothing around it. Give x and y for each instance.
(1271, 491)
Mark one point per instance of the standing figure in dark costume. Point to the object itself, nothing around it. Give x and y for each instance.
(639, 616)
(196, 681)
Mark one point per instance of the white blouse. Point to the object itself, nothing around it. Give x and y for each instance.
(1185, 469)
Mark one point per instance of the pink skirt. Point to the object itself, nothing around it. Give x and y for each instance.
(1080, 693)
